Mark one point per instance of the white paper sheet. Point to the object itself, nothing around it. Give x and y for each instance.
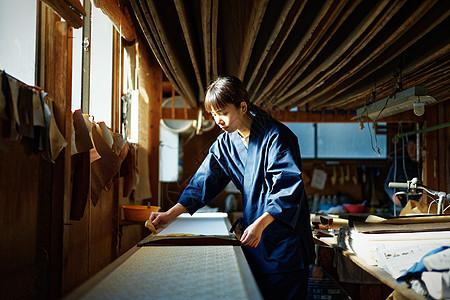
(396, 260)
(199, 224)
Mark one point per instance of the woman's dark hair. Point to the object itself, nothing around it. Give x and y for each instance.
(224, 91)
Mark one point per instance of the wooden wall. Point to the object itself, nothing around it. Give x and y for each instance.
(101, 236)
(23, 256)
(34, 192)
(44, 254)
(437, 148)
(93, 241)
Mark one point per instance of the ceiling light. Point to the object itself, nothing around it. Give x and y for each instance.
(419, 108)
(412, 98)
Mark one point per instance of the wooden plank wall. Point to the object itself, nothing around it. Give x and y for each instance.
(436, 166)
(34, 191)
(93, 240)
(44, 254)
(22, 257)
(99, 237)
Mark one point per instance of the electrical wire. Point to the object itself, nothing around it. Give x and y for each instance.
(161, 144)
(395, 172)
(369, 102)
(404, 164)
(397, 88)
(431, 203)
(377, 151)
(443, 211)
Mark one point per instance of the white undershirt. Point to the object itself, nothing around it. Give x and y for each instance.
(245, 140)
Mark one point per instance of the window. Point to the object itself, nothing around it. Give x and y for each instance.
(305, 133)
(100, 98)
(77, 49)
(339, 141)
(18, 39)
(130, 101)
(101, 59)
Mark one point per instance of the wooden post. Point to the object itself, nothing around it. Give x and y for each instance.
(150, 85)
(54, 197)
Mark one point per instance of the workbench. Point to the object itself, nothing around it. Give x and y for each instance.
(177, 271)
(358, 278)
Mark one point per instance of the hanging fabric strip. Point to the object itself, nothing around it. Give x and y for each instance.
(103, 169)
(25, 111)
(3, 114)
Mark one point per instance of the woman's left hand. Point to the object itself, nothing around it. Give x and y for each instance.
(252, 234)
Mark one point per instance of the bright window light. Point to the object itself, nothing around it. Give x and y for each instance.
(100, 99)
(18, 39)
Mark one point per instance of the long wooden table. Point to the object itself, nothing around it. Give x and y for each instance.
(329, 253)
(176, 272)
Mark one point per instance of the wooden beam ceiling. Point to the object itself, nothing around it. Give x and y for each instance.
(313, 55)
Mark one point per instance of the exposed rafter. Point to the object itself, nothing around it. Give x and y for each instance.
(324, 55)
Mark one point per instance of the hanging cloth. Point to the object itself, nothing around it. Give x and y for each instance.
(81, 166)
(25, 111)
(104, 168)
(3, 113)
(56, 139)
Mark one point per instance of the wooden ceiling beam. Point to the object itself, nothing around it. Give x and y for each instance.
(69, 10)
(337, 54)
(253, 26)
(285, 68)
(118, 17)
(415, 67)
(286, 20)
(296, 53)
(169, 52)
(190, 38)
(144, 18)
(324, 23)
(214, 46)
(385, 14)
(375, 54)
(311, 54)
(402, 33)
(205, 12)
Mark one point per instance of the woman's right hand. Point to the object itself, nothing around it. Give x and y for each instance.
(160, 219)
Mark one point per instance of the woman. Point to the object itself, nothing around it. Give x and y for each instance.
(262, 158)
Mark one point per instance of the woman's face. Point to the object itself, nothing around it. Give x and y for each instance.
(230, 118)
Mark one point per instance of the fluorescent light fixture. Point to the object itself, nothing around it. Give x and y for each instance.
(400, 102)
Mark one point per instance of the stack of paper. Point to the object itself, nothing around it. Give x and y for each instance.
(377, 248)
(393, 246)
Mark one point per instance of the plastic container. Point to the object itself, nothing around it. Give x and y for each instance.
(138, 213)
(354, 208)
